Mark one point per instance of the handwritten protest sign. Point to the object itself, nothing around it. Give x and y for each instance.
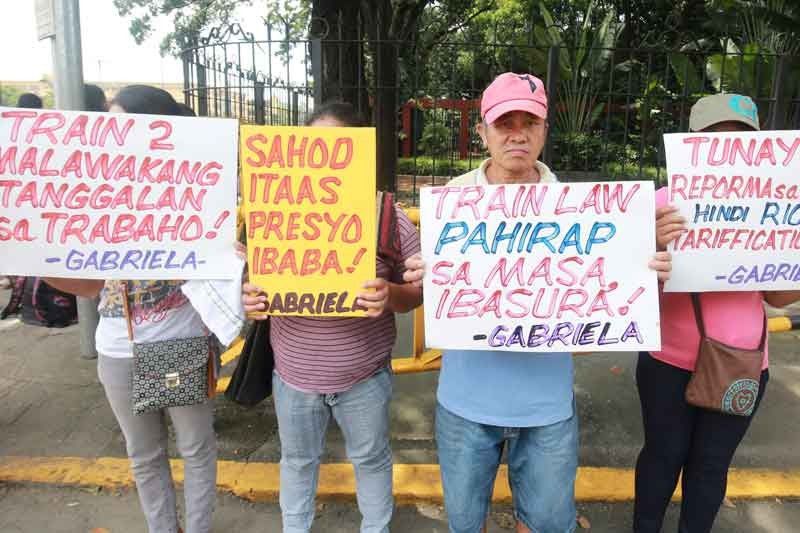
(740, 194)
(540, 267)
(116, 196)
(310, 213)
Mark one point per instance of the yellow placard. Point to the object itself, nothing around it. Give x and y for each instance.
(310, 212)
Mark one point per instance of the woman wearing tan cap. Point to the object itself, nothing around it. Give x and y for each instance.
(680, 438)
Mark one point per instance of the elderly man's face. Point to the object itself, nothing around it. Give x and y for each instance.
(515, 140)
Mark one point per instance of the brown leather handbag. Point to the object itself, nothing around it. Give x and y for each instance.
(725, 379)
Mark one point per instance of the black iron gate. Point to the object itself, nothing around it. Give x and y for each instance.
(606, 121)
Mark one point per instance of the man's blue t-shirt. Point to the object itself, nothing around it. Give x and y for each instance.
(507, 389)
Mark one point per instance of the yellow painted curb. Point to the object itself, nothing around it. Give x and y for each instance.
(779, 324)
(412, 483)
(233, 351)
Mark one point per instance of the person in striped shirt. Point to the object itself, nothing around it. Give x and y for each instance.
(339, 367)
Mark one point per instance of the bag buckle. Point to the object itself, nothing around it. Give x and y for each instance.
(172, 380)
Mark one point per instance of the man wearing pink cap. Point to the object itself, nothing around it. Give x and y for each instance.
(491, 400)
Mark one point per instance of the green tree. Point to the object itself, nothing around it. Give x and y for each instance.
(585, 51)
(771, 25)
(383, 23)
(190, 19)
(664, 23)
(10, 95)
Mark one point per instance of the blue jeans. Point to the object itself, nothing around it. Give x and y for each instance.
(363, 416)
(542, 464)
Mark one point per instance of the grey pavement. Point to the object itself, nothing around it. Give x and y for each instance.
(53, 405)
(73, 510)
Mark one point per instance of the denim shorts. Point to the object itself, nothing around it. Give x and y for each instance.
(542, 464)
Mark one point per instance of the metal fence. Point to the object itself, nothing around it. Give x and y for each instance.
(608, 107)
(230, 74)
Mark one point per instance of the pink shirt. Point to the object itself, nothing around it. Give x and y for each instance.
(331, 354)
(733, 318)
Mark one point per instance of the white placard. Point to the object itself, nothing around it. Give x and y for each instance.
(740, 195)
(540, 267)
(116, 196)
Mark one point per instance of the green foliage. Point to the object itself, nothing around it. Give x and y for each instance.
(611, 106)
(294, 15)
(578, 150)
(617, 171)
(581, 151)
(745, 71)
(686, 72)
(436, 139)
(772, 25)
(189, 19)
(584, 58)
(431, 166)
(10, 95)
(597, 153)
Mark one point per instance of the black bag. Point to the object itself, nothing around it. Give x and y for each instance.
(170, 373)
(252, 380)
(43, 305)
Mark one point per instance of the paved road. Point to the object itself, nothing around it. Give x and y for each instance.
(69, 510)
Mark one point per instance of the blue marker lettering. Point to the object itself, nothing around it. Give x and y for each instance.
(535, 238)
(572, 238)
(446, 238)
(477, 237)
(594, 238)
(499, 236)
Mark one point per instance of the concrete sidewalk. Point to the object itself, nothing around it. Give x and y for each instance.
(54, 407)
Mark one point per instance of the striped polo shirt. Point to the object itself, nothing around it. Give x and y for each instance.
(331, 354)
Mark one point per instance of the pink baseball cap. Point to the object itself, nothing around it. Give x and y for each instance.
(513, 92)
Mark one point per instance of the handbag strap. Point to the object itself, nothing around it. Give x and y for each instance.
(698, 316)
(763, 342)
(126, 306)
